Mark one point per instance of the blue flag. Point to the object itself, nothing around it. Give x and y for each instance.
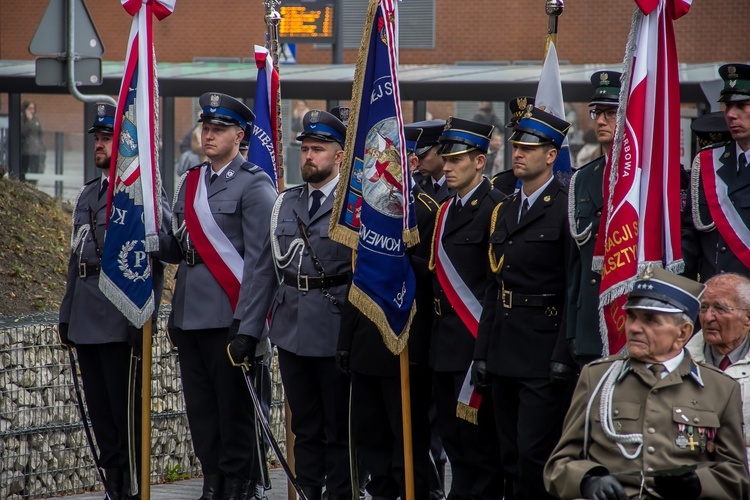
(262, 150)
(374, 211)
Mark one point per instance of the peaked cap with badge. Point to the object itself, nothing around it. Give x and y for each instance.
(711, 129)
(323, 126)
(105, 119)
(342, 113)
(222, 109)
(431, 131)
(661, 291)
(606, 88)
(736, 82)
(537, 127)
(517, 107)
(462, 136)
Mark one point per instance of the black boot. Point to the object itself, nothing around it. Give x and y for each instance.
(235, 488)
(256, 491)
(115, 482)
(312, 492)
(212, 484)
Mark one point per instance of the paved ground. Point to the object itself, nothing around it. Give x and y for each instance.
(190, 489)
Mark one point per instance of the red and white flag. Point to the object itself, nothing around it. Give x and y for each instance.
(642, 177)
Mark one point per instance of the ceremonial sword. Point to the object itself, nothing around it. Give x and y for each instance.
(132, 466)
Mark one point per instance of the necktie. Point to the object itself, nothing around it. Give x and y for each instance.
(436, 187)
(103, 189)
(316, 196)
(657, 369)
(524, 208)
(459, 205)
(213, 178)
(741, 163)
(724, 363)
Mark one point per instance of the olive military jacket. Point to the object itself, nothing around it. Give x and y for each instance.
(694, 397)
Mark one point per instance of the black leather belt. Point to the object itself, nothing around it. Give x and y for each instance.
(511, 299)
(442, 307)
(85, 270)
(304, 283)
(192, 258)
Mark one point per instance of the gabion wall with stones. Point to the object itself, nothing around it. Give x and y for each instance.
(43, 448)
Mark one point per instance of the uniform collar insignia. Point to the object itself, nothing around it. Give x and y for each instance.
(230, 173)
(695, 373)
(626, 367)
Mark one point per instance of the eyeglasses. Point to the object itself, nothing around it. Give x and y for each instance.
(720, 309)
(609, 113)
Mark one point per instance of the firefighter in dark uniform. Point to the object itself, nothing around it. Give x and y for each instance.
(521, 344)
(103, 337)
(460, 245)
(375, 373)
(238, 198)
(430, 175)
(305, 311)
(716, 240)
(585, 208)
(505, 181)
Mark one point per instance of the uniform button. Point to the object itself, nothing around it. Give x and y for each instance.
(723, 249)
(309, 233)
(598, 213)
(651, 449)
(616, 412)
(507, 315)
(593, 281)
(306, 253)
(507, 267)
(466, 239)
(696, 420)
(596, 235)
(651, 430)
(650, 469)
(656, 391)
(510, 242)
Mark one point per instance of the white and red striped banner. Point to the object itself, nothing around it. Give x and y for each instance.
(217, 252)
(467, 307)
(642, 178)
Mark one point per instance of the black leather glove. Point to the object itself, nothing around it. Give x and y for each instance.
(62, 335)
(684, 487)
(234, 329)
(479, 376)
(241, 350)
(602, 488)
(560, 373)
(135, 339)
(343, 361)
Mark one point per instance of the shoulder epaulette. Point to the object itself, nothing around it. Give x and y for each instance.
(721, 144)
(91, 181)
(427, 201)
(251, 167)
(594, 162)
(197, 166)
(608, 359)
(298, 186)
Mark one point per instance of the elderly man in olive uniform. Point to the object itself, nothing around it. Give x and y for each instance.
(305, 310)
(586, 202)
(724, 342)
(221, 209)
(521, 350)
(715, 242)
(654, 422)
(459, 259)
(103, 337)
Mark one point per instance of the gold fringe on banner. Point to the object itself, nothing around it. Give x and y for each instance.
(466, 412)
(394, 343)
(337, 232)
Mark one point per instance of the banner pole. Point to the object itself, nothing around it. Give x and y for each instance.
(406, 424)
(553, 8)
(273, 19)
(146, 413)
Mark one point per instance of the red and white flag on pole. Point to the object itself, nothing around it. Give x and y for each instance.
(642, 177)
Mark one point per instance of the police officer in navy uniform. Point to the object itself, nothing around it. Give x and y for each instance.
(103, 337)
(505, 181)
(706, 243)
(471, 448)
(521, 350)
(305, 310)
(430, 176)
(586, 201)
(240, 197)
(375, 373)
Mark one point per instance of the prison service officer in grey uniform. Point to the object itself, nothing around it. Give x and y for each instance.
(237, 197)
(305, 310)
(103, 337)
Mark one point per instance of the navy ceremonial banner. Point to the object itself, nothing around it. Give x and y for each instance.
(262, 150)
(133, 208)
(374, 208)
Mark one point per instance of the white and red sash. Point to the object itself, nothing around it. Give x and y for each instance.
(730, 224)
(466, 305)
(217, 252)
